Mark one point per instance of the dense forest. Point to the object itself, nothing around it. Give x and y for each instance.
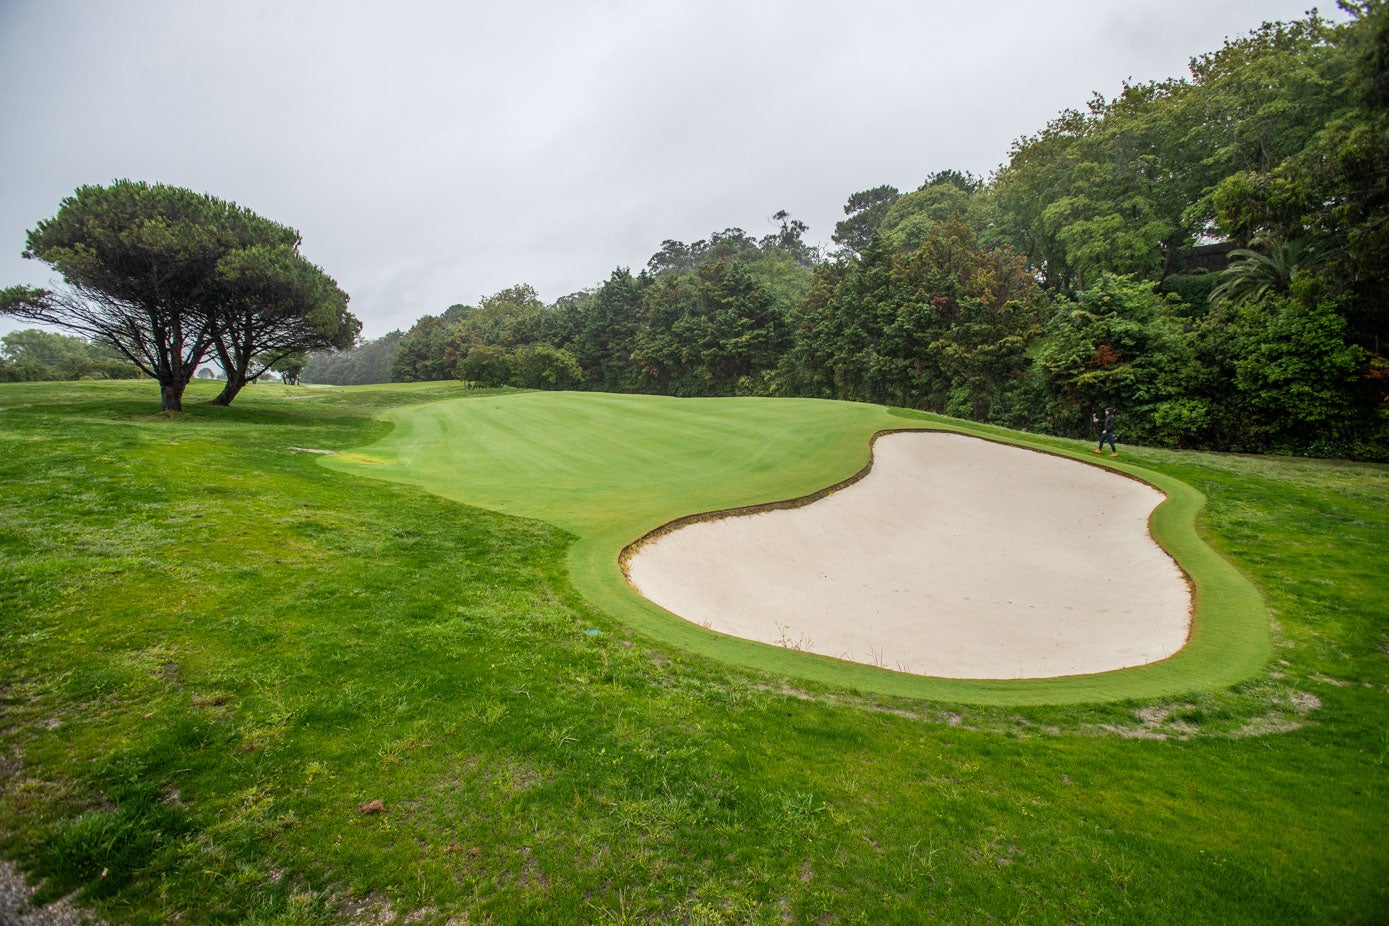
(1210, 256)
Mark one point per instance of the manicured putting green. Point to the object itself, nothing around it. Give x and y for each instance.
(610, 468)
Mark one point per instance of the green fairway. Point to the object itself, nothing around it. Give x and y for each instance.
(611, 468)
(586, 462)
(240, 687)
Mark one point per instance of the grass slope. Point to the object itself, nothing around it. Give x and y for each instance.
(610, 468)
(214, 651)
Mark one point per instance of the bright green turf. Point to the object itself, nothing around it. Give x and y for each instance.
(610, 468)
(213, 649)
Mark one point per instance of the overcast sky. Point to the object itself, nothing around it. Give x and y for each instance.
(435, 152)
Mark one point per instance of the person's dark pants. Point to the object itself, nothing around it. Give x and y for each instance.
(1108, 437)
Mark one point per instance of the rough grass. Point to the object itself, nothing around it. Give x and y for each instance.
(218, 654)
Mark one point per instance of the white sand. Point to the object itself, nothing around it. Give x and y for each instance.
(955, 557)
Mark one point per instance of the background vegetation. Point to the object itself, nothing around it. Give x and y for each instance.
(1080, 275)
(36, 355)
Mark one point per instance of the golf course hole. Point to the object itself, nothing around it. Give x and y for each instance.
(954, 557)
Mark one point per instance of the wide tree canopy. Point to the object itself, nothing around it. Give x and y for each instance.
(169, 277)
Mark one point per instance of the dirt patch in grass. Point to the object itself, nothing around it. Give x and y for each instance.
(16, 910)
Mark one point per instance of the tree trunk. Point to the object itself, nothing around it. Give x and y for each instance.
(236, 373)
(171, 395)
(234, 383)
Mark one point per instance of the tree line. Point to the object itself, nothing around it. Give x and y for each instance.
(1078, 276)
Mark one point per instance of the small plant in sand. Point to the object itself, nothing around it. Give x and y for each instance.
(800, 642)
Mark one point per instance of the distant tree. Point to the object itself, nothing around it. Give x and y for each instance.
(544, 366)
(456, 313)
(963, 181)
(573, 301)
(487, 365)
(731, 244)
(422, 353)
(946, 327)
(59, 351)
(364, 363)
(985, 307)
(604, 331)
(809, 366)
(789, 238)
(866, 210)
(841, 325)
(1121, 344)
(18, 367)
(290, 367)
(673, 255)
(731, 332)
(911, 218)
(1295, 375)
(786, 278)
(1037, 175)
(502, 317)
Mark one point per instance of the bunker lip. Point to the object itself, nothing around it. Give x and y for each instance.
(961, 558)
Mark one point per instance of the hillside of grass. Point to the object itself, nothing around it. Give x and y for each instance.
(242, 686)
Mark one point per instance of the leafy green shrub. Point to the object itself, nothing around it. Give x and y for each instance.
(1193, 290)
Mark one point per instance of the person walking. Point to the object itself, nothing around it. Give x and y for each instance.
(1106, 432)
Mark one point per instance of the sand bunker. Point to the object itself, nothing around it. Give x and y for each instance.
(955, 557)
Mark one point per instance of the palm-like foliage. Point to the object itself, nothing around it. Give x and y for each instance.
(1266, 267)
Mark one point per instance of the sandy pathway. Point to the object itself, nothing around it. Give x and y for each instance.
(955, 557)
